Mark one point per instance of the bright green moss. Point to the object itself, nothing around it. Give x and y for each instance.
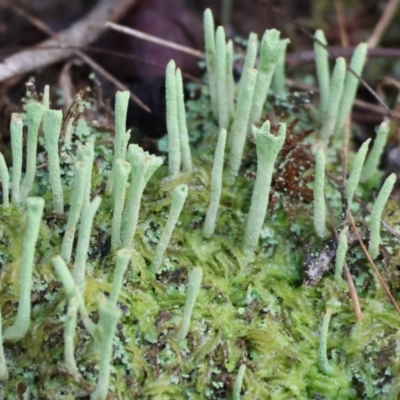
(257, 313)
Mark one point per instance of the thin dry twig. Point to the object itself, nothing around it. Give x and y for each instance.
(344, 37)
(383, 23)
(84, 57)
(374, 267)
(154, 39)
(349, 278)
(359, 103)
(82, 32)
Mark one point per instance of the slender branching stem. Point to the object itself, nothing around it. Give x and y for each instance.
(322, 66)
(34, 115)
(52, 128)
(179, 195)
(122, 171)
(376, 215)
(335, 95)
(75, 210)
(82, 246)
(109, 316)
(193, 289)
(319, 194)
(354, 177)
(5, 180)
(16, 147)
(323, 362)
(18, 330)
(268, 147)
(183, 131)
(216, 185)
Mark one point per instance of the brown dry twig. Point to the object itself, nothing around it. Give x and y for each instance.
(84, 57)
(383, 23)
(82, 32)
(374, 267)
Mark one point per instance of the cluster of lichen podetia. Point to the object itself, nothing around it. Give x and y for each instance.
(132, 169)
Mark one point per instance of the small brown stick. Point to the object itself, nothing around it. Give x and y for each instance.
(154, 39)
(349, 278)
(88, 60)
(344, 38)
(383, 23)
(374, 267)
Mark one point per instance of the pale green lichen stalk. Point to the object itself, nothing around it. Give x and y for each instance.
(82, 246)
(52, 128)
(322, 66)
(143, 166)
(209, 39)
(174, 143)
(3, 362)
(18, 330)
(351, 84)
(123, 258)
(341, 253)
(216, 185)
(271, 50)
(323, 339)
(75, 210)
(109, 316)
(376, 214)
(186, 156)
(355, 173)
(194, 285)
(230, 82)
(5, 180)
(238, 131)
(319, 194)
(120, 140)
(34, 116)
(239, 382)
(374, 156)
(122, 171)
(335, 95)
(179, 195)
(222, 84)
(16, 147)
(268, 147)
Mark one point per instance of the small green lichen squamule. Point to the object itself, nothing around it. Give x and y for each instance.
(126, 292)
